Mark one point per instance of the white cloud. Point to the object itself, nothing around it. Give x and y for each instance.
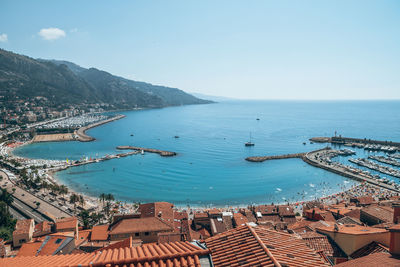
(73, 30)
(3, 38)
(51, 33)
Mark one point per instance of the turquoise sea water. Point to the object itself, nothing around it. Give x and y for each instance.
(210, 168)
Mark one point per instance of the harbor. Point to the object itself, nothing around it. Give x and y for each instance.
(71, 129)
(322, 158)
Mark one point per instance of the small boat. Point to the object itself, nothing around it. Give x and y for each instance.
(304, 143)
(131, 134)
(258, 119)
(249, 143)
(176, 136)
(142, 152)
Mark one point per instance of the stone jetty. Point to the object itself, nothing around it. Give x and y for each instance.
(162, 153)
(346, 140)
(264, 158)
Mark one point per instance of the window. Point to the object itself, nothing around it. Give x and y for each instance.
(58, 241)
(136, 234)
(146, 233)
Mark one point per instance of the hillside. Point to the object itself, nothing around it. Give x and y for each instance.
(65, 83)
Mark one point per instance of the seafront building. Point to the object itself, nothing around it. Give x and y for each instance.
(267, 235)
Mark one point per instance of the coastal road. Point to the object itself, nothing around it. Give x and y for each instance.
(16, 214)
(31, 213)
(27, 201)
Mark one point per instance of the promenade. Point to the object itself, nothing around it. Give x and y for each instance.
(26, 202)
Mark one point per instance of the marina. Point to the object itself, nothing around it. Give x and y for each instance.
(376, 167)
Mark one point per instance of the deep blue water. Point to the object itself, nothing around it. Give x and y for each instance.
(210, 167)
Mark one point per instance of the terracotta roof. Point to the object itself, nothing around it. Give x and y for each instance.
(380, 259)
(269, 218)
(42, 228)
(373, 247)
(49, 246)
(239, 219)
(382, 213)
(22, 226)
(258, 246)
(99, 232)
(266, 209)
(285, 210)
(172, 254)
(200, 215)
(151, 224)
(66, 223)
(324, 244)
(353, 229)
(126, 243)
(349, 220)
(354, 214)
(163, 210)
(29, 249)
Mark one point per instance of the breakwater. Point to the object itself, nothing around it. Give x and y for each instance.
(264, 158)
(344, 140)
(81, 132)
(162, 153)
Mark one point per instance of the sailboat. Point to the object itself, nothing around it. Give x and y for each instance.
(249, 143)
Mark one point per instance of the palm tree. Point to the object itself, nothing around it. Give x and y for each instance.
(73, 199)
(102, 197)
(37, 204)
(81, 200)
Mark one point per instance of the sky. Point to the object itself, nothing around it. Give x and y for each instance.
(240, 49)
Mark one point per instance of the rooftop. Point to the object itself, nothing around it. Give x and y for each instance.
(99, 232)
(172, 254)
(352, 229)
(66, 223)
(259, 246)
(151, 224)
(22, 226)
(380, 259)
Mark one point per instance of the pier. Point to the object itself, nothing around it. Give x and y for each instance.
(343, 140)
(162, 153)
(264, 158)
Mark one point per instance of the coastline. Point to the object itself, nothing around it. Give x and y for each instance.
(81, 132)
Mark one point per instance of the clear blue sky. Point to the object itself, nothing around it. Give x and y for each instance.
(242, 49)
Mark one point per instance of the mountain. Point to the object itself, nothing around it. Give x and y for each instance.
(170, 96)
(64, 83)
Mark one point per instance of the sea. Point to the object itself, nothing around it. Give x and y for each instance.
(210, 169)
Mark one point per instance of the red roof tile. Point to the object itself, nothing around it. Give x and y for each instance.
(239, 219)
(66, 223)
(373, 247)
(99, 233)
(163, 210)
(152, 224)
(172, 254)
(380, 259)
(258, 246)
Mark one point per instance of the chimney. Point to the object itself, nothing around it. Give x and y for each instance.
(394, 248)
(396, 214)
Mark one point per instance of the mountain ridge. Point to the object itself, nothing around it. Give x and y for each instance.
(65, 83)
